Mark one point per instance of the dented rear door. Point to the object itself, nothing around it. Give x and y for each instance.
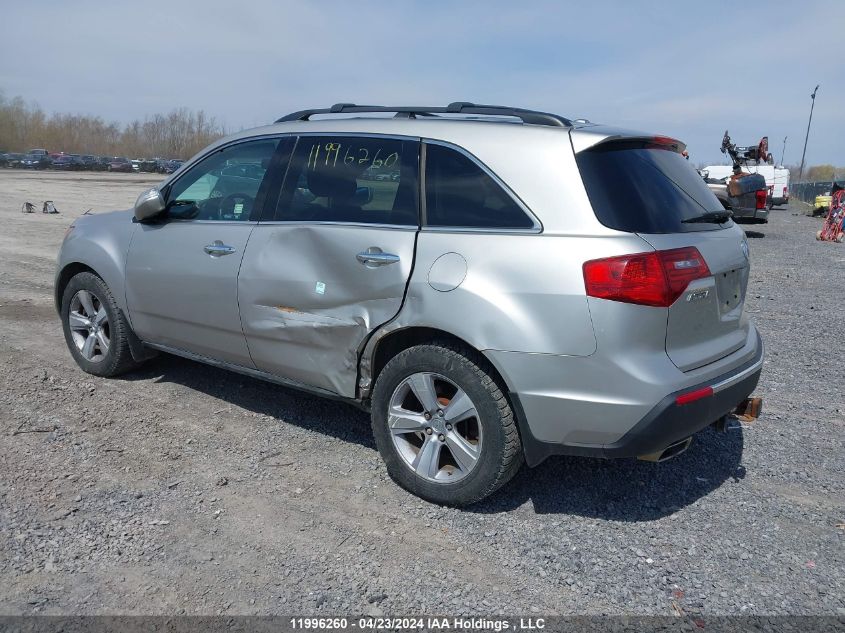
(332, 261)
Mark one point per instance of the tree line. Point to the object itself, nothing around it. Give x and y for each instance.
(180, 133)
(817, 173)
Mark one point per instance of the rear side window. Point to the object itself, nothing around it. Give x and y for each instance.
(459, 193)
(354, 179)
(642, 187)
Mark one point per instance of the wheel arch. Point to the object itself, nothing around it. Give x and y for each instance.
(68, 272)
(96, 244)
(379, 353)
(137, 349)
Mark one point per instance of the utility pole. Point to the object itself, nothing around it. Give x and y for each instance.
(783, 153)
(812, 105)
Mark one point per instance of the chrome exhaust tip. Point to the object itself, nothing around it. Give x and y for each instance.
(673, 450)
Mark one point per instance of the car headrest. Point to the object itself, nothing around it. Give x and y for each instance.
(337, 183)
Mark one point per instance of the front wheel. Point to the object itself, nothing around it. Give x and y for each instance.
(443, 426)
(94, 327)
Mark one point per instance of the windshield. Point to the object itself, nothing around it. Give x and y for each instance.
(642, 187)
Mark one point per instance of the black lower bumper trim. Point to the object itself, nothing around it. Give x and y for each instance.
(664, 425)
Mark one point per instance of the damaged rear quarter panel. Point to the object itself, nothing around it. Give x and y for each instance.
(521, 292)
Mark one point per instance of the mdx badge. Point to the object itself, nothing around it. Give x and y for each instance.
(698, 295)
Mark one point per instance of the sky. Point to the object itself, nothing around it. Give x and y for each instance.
(689, 70)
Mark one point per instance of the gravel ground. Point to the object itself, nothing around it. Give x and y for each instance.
(185, 489)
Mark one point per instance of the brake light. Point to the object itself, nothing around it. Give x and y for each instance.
(692, 396)
(651, 279)
(665, 142)
(761, 199)
(785, 191)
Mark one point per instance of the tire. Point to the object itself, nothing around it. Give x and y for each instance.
(108, 325)
(477, 454)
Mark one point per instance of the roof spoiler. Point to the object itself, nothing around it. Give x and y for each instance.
(591, 137)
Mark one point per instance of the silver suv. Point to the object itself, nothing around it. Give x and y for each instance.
(495, 285)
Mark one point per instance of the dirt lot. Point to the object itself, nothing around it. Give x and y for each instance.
(185, 489)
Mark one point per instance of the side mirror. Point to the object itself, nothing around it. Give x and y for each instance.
(148, 205)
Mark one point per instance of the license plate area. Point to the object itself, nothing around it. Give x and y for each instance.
(729, 290)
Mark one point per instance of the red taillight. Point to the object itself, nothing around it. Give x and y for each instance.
(692, 396)
(785, 192)
(761, 199)
(651, 279)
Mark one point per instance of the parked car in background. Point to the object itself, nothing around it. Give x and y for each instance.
(148, 165)
(35, 161)
(13, 160)
(171, 166)
(102, 163)
(38, 152)
(523, 290)
(136, 164)
(88, 162)
(68, 162)
(121, 164)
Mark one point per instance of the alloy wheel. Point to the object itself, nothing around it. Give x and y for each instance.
(89, 326)
(435, 427)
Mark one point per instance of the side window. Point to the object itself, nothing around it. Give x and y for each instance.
(351, 179)
(224, 185)
(459, 193)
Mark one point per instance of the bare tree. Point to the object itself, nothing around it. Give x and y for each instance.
(178, 134)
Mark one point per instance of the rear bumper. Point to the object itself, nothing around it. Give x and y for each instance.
(662, 425)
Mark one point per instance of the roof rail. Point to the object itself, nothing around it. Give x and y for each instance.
(458, 107)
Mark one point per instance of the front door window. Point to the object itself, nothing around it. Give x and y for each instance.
(223, 186)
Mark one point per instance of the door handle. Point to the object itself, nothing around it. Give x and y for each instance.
(374, 257)
(218, 249)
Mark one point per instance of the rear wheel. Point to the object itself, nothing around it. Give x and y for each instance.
(94, 327)
(442, 425)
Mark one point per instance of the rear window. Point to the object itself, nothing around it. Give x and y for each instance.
(641, 187)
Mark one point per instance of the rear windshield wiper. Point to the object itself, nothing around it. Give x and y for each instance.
(717, 217)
